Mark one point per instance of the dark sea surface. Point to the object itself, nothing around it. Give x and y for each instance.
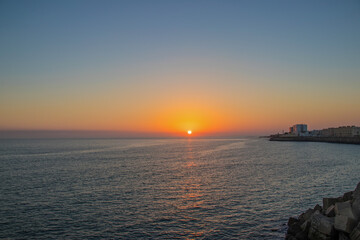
(166, 188)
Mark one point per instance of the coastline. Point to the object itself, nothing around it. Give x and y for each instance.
(346, 140)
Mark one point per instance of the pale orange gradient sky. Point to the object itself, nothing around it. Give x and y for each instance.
(208, 102)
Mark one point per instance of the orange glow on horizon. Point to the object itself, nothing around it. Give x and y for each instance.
(204, 110)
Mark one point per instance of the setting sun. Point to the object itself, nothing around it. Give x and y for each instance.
(189, 132)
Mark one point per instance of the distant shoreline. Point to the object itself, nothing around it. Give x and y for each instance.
(346, 140)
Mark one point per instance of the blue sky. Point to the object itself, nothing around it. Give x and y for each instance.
(67, 35)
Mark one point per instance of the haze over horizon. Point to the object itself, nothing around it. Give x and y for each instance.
(161, 68)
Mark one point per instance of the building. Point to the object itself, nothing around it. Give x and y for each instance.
(315, 133)
(298, 130)
(344, 131)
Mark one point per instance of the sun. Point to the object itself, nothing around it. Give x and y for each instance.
(189, 132)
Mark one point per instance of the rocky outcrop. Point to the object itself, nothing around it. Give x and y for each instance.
(338, 218)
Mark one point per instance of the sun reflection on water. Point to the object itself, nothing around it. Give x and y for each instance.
(191, 196)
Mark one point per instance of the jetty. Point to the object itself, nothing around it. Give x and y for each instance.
(349, 140)
(337, 218)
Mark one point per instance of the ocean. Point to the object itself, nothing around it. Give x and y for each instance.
(244, 188)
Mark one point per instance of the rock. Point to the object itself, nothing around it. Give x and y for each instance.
(314, 235)
(318, 208)
(355, 234)
(347, 196)
(322, 227)
(356, 193)
(290, 237)
(327, 202)
(344, 209)
(326, 226)
(305, 226)
(301, 236)
(338, 218)
(291, 221)
(330, 212)
(343, 236)
(356, 208)
(306, 215)
(344, 223)
(294, 229)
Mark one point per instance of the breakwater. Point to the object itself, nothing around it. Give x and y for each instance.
(337, 218)
(349, 140)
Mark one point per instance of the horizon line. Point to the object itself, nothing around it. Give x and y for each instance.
(42, 133)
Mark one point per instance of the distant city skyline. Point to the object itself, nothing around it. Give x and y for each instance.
(162, 68)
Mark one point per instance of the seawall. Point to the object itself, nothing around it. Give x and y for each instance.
(349, 140)
(337, 218)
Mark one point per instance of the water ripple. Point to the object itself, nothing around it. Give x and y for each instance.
(165, 189)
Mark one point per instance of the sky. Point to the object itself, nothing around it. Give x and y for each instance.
(160, 68)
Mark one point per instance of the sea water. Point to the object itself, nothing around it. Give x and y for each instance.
(166, 188)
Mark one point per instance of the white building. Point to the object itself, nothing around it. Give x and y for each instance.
(298, 130)
(345, 131)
